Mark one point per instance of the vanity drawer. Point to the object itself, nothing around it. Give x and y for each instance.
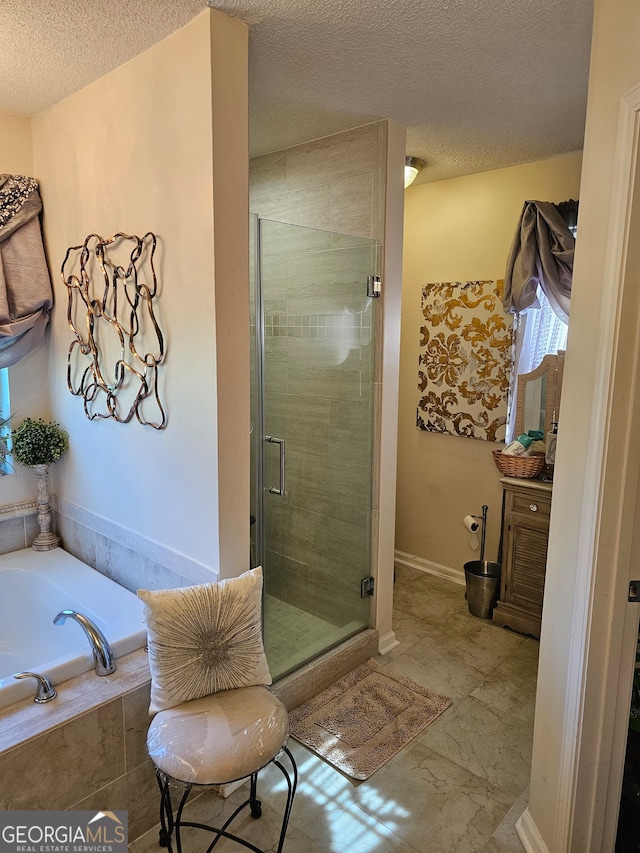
(534, 505)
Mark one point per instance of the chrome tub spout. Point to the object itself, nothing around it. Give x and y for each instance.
(103, 656)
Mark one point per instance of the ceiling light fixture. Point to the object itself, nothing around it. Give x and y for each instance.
(412, 167)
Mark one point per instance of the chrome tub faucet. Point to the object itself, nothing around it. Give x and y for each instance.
(103, 656)
(45, 691)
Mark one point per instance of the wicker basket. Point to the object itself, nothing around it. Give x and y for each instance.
(527, 467)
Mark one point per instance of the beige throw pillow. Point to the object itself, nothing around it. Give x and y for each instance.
(204, 638)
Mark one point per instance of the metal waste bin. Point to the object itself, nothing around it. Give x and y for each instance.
(483, 587)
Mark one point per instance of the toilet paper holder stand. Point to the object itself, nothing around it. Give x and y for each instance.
(483, 519)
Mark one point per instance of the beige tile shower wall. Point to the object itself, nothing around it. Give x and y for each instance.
(318, 399)
(335, 184)
(321, 372)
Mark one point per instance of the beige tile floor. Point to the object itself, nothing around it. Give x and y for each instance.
(458, 787)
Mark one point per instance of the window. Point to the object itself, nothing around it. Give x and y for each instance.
(542, 250)
(544, 333)
(5, 430)
(539, 332)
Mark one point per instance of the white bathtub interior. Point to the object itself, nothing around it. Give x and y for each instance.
(34, 587)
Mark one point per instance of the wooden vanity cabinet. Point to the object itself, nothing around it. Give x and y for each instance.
(525, 531)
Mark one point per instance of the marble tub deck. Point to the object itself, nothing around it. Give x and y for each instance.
(457, 788)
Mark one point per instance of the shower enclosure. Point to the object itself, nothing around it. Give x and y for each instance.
(312, 434)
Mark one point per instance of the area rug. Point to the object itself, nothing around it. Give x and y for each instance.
(365, 718)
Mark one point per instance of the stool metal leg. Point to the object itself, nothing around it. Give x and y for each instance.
(291, 792)
(178, 820)
(256, 805)
(171, 826)
(166, 812)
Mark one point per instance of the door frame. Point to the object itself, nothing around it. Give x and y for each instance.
(604, 624)
(609, 647)
(622, 616)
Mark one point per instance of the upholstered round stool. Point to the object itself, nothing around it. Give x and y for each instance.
(215, 740)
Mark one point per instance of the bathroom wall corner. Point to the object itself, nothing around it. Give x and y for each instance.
(391, 304)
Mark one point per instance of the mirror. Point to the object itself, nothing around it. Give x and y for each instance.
(538, 395)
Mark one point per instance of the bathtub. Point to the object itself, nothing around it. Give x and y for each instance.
(34, 587)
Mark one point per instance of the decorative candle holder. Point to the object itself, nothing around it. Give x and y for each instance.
(46, 540)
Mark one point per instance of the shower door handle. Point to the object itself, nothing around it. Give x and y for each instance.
(272, 440)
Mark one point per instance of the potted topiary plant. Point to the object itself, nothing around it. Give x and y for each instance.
(38, 444)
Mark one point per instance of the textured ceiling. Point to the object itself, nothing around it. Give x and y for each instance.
(479, 84)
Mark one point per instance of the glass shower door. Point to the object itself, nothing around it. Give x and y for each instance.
(313, 432)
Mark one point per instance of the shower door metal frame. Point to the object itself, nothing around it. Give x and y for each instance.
(259, 437)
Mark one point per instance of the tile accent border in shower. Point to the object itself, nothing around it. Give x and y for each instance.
(354, 326)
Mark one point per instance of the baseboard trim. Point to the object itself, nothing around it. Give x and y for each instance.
(387, 642)
(529, 834)
(410, 561)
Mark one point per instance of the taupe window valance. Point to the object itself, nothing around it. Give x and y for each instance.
(26, 296)
(541, 254)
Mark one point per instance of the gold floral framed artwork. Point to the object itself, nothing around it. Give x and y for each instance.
(465, 360)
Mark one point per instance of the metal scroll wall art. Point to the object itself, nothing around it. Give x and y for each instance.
(117, 349)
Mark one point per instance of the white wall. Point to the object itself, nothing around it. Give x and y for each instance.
(150, 146)
(16, 148)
